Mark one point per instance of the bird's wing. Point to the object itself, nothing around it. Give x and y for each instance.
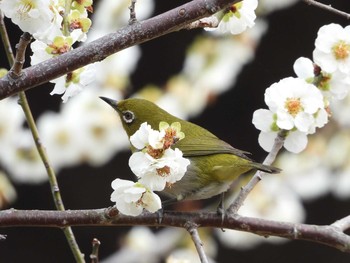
(205, 145)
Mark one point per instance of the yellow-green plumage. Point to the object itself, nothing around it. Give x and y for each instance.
(214, 163)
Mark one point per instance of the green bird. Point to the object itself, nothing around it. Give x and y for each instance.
(214, 164)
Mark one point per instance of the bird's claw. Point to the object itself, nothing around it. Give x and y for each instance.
(221, 210)
(160, 214)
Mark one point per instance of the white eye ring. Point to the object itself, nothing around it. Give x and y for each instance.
(128, 116)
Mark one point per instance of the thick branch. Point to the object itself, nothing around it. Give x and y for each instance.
(328, 235)
(99, 49)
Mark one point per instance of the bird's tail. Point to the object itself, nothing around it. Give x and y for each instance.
(267, 168)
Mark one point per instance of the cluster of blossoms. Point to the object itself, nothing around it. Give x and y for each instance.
(56, 28)
(300, 105)
(156, 165)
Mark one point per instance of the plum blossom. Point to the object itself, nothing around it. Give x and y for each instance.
(297, 104)
(239, 17)
(131, 198)
(157, 173)
(332, 48)
(265, 120)
(157, 165)
(296, 107)
(73, 83)
(145, 136)
(332, 85)
(43, 51)
(32, 16)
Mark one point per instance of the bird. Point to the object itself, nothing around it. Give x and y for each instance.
(214, 164)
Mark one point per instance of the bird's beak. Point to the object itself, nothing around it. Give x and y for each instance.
(112, 103)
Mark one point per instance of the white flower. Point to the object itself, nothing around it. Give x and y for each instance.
(207, 58)
(111, 15)
(114, 71)
(332, 86)
(296, 103)
(341, 186)
(332, 48)
(265, 120)
(39, 52)
(43, 51)
(158, 165)
(341, 111)
(304, 68)
(32, 16)
(100, 136)
(240, 17)
(145, 136)
(22, 160)
(74, 82)
(79, 24)
(54, 29)
(11, 121)
(60, 135)
(131, 198)
(157, 173)
(141, 240)
(99, 130)
(7, 190)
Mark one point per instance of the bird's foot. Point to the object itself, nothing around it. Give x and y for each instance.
(160, 214)
(221, 210)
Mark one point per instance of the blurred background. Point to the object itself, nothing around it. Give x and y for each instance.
(214, 81)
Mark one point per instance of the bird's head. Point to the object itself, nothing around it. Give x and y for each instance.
(133, 112)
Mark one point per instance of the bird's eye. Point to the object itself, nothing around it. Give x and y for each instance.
(128, 116)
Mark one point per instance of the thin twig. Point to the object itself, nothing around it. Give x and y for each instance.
(328, 235)
(192, 228)
(94, 253)
(328, 8)
(270, 158)
(132, 19)
(17, 65)
(16, 72)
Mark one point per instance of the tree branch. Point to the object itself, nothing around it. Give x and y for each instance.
(99, 49)
(94, 254)
(193, 230)
(330, 235)
(328, 8)
(343, 224)
(132, 19)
